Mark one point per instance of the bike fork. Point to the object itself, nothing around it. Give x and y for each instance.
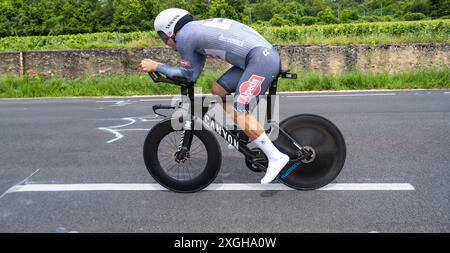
(185, 142)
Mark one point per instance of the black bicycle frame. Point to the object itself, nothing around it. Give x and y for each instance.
(209, 121)
(187, 90)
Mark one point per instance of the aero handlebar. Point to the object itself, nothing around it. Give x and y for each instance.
(160, 78)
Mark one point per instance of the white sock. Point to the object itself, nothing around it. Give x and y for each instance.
(277, 160)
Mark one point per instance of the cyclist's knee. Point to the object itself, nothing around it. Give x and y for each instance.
(218, 90)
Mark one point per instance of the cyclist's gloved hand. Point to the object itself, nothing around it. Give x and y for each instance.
(149, 65)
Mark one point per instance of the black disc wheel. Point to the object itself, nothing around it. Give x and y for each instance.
(196, 170)
(323, 140)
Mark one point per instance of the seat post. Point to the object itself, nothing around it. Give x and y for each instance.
(272, 92)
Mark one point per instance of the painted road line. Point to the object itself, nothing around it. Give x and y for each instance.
(342, 95)
(118, 102)
(23, 182)
(43, 101)
(160, 99)
(212, 187)
(447, 92)
(115, 130)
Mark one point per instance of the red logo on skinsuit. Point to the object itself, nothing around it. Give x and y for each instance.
(250, 89)
(185, 63)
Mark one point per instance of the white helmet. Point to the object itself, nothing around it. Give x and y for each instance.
(169, 21)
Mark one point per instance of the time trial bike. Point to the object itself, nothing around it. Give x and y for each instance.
(188, 158)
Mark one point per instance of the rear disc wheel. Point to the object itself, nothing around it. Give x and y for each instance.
(327, 144)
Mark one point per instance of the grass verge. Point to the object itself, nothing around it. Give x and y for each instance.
(25, 87)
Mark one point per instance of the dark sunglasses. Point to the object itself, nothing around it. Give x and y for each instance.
(163, 36)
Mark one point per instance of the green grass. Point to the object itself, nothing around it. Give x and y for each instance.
(381, 33)
(416, 79)
(11, 87)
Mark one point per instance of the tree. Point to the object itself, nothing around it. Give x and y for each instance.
(199, 9)
(292, 11)
(220, 9)
(439, 8)
(85, 16)
(7, 11)
(104, 13)
(349, 14)
(238, 5)
(182, 4)
(277, 20)
(420, 6)
(414, 16)
(127, 14)
(264, 10)
(327, 16)
(32, 17)
(151, 9)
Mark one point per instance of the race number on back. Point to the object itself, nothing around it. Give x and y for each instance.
(220, 23)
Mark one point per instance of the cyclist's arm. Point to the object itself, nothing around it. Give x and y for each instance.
(191, 65)
(169, 70)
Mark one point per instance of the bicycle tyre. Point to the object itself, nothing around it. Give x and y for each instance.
(206, 177)
(327, 141)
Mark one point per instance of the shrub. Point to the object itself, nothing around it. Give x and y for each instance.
(349, 14)
(277, 20)
(377, 18)
(326, 16)
(414, 16)
(414, 30)
(308, 20)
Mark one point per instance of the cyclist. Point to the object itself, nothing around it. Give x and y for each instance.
(255, 65)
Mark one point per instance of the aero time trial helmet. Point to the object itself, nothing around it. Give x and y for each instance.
(170, 21)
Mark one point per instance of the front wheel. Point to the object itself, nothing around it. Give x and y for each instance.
(326, 143)
(199, 168)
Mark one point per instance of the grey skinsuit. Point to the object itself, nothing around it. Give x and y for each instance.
(255, 62)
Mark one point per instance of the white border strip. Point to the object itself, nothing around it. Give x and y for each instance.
(212, 187)
(343, 95)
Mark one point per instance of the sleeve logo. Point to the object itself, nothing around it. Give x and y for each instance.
(185, 63)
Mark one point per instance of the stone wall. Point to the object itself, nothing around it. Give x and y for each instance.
(326, 59)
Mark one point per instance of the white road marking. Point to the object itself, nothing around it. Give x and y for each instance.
(158, 99)
(42, 101)
(342, 95)
(109, 101)
(447, 92)
(116, 130)
(212, 187)
(117, 102)
(23, 182)
(136, 129)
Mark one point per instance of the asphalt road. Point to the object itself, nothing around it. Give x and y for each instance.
(392, 137)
